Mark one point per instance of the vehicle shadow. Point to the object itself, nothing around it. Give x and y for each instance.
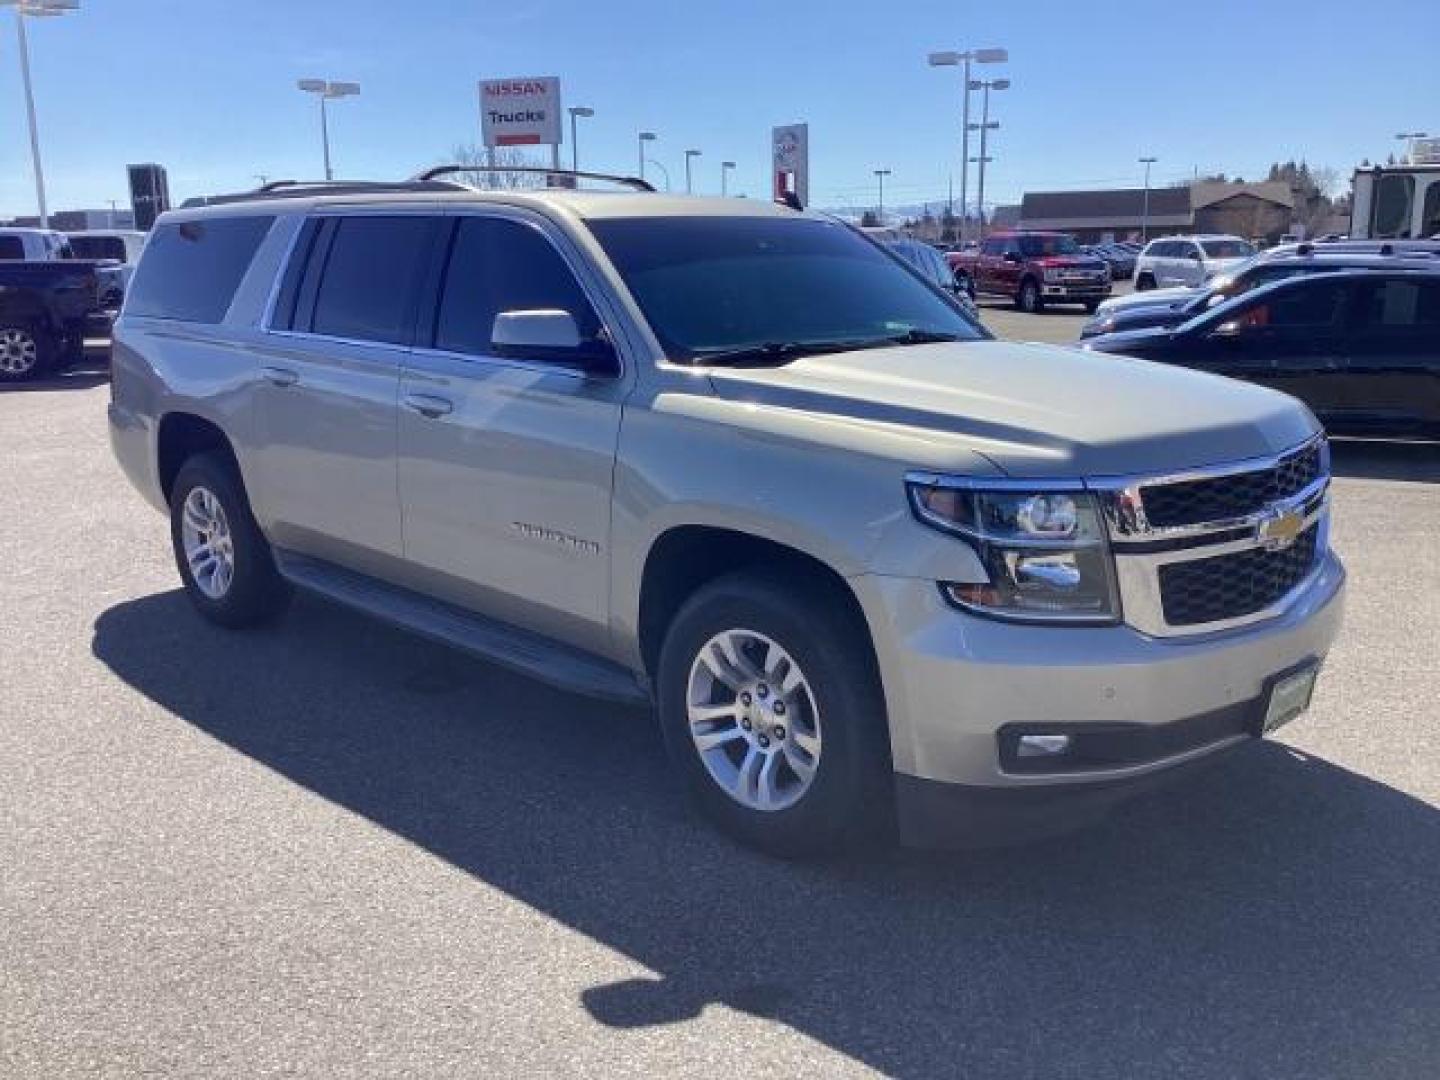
(1274, 916)
(1374, 459)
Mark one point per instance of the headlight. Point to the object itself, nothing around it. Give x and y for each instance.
(1043, 548)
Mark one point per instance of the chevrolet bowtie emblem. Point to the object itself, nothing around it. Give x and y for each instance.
(1278, 531)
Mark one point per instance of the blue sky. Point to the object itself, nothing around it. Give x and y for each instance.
(207, 87)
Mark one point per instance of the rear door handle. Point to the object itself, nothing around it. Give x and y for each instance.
(280, 376)
(428, 405)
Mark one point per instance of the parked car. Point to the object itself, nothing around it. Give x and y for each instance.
(1033, 269)
(46, 311)
(1361, 348)
(1188, 260)
(735, 461)
(33, 245)
(932, 266)
(122, 246)
(1171, 307)
(1121, 260)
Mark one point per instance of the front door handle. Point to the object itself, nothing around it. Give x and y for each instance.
(428, 405)
(279, 376)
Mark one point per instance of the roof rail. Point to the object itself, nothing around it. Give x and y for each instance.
(433, 174)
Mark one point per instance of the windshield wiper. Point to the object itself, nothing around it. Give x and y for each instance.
(773, 352)
(921, 337)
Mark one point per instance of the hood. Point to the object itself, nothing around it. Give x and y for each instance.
(1036, 410)
(1215, 267)
(1150, 298)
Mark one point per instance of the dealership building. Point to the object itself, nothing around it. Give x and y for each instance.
(1259, 211)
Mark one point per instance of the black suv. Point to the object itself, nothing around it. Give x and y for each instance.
(1271, 266)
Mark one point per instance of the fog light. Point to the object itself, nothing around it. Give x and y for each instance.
(1033, 746)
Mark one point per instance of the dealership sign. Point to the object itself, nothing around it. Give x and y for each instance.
(790, 154)
(520, 112)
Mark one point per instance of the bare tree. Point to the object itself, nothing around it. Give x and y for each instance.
(490, 167)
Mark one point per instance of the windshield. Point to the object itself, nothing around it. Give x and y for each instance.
(710, 285)
(1227, 249)
(1035, 246)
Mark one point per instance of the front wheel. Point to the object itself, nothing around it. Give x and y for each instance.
(772, 713)
(224, 560)
(1028, 299)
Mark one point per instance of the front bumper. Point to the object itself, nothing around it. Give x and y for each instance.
(953, 681)
(1072, 290)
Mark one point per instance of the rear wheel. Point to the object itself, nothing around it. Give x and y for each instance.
(1028, 299)
(223, 558)
(772, 713)
(25, 352)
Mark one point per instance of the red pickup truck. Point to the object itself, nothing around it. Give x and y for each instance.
(1033, 269)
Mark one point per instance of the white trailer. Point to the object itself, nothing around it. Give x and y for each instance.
(1396, 202)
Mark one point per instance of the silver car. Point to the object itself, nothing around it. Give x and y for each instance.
(1188, 260)
(870, 568)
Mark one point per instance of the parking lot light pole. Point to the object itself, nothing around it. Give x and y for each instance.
(31, 9)
(325, 91)
(880, 175)
(964, 59)
(1145, 209)
(642, 139)
(690, 156)
(1408, 138)
(985, 126)
(725, 167)
(576, 111)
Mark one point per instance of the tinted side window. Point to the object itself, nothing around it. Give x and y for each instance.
(1398, 304)
(1430, 216)
(992, 247)
(501, 265)
(1318, 303)
(98, 247)
(191, 270)
(1393, 199)
(11, 247)
(368, 286)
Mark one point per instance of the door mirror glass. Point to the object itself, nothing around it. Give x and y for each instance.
(549, 334)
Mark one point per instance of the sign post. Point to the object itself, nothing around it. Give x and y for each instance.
(790, 153)
(522, 111)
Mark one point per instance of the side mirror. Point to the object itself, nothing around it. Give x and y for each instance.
(550, 335)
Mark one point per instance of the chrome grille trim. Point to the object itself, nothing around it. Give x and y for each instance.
(1141, 549)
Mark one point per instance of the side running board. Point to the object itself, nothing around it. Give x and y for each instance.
(561, 666)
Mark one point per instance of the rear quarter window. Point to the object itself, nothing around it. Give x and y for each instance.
(191, 269)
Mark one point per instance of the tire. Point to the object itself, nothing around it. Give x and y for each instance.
(26, 352)
(1091, 306)
(964, 283)
(1028, 299)
(836, 709)
(208, 489)
(1144, 282)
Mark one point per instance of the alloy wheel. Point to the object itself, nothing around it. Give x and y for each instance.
(209, 547)
(19, 351)
(754, 720)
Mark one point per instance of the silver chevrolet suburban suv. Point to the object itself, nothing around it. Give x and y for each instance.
(875, 570)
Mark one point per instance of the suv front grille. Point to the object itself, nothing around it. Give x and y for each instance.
(1235, 585)
(1219, 498)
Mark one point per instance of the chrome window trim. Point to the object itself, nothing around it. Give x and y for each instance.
(509, 213)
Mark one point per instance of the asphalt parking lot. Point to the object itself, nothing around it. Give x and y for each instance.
(329, 849)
